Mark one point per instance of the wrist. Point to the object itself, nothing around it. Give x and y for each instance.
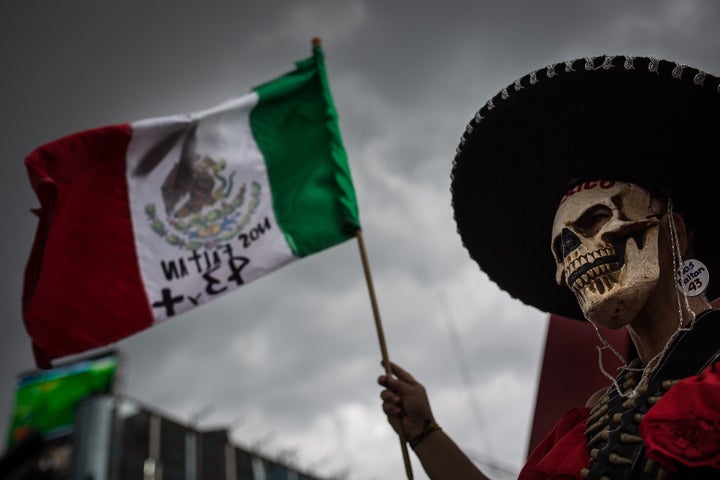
(429, 427)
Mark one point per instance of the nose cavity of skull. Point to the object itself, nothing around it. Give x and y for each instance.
(570, 242)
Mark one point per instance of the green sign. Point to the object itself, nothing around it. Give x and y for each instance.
(46, 400)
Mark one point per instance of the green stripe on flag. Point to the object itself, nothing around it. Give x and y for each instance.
(296, 128)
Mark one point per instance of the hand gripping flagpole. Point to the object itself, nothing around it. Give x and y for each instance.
(383, 346)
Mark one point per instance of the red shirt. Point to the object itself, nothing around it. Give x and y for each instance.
(681, 431)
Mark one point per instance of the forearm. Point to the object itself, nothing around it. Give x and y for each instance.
(442, 459)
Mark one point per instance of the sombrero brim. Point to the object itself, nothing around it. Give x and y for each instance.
(612, 117)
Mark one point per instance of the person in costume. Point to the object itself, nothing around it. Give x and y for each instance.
(583, 189)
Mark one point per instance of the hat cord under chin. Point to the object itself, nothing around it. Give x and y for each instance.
(653, 363)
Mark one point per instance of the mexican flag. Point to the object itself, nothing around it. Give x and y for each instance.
(142, 221)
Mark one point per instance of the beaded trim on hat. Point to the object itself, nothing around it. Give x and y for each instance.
(604, 62)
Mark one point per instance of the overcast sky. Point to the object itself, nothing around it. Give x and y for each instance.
(291, 359)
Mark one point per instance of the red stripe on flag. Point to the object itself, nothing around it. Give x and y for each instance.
(82, 287)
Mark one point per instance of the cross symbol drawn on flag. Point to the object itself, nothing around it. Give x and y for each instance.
(236, 265)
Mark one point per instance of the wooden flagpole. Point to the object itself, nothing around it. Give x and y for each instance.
(381, 339)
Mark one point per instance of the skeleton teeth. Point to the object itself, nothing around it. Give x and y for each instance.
(589, 279)
(600, 278)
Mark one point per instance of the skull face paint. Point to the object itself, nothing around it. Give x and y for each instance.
(605, 244)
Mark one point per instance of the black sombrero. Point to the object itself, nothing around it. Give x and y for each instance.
(639, 119)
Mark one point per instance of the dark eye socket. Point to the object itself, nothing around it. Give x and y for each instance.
(557, 248)
(593, 219)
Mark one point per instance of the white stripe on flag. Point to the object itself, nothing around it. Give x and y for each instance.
(201, 207)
